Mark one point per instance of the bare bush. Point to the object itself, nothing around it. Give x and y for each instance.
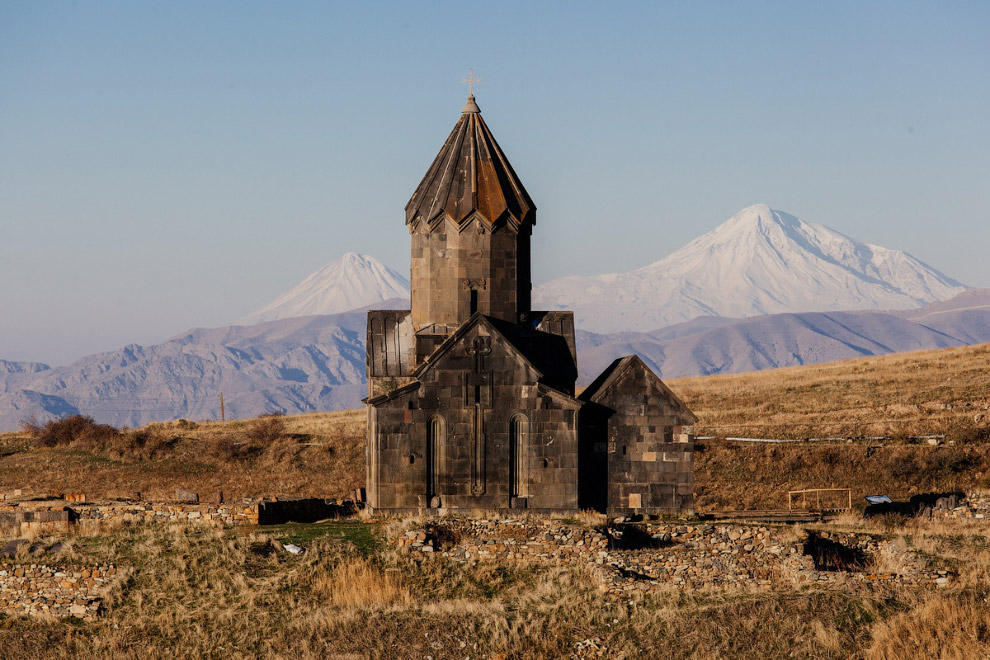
(267, 430)
(74, 429)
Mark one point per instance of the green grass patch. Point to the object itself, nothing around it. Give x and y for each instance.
(362, 536)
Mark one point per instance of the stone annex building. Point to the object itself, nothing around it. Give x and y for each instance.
(471, 402)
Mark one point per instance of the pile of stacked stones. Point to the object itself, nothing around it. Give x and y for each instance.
(650, 556)
(55, 590)
(220, 514)
(975, 506)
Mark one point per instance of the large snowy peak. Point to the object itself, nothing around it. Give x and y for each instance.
(353, 281)
(760, 261)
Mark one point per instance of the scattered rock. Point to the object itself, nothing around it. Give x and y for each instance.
(187, 496)
(11, 548)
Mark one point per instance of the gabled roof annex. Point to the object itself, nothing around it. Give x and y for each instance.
(598, 391)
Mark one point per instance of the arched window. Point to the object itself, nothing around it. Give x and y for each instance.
(436, 440)
(518, 456)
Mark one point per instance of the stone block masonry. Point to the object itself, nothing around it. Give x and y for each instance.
(59, 591)
(157, 512)
(27, 516)
(43, 520)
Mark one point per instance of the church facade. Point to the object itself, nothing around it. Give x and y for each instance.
(472, 393)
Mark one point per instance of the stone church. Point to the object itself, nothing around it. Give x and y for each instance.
(472, 402)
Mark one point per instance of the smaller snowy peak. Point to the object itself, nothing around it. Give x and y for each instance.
(352, 281)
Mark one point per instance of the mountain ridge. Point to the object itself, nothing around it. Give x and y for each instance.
(351, 282)
(760, 261)
(317, 362)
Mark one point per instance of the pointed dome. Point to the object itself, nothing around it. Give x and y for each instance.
(471, 174)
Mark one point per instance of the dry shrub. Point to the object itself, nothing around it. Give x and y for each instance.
(939, 628)
(264, 442)
(71, 430)
(282, 452)
(356, 582)
(267, 430)
(149, 443)
(227, 448)
(84, 433)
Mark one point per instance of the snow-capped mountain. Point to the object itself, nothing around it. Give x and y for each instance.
(353, 281)
(760, 261)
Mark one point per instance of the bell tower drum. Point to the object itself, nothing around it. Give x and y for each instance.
(470, 222)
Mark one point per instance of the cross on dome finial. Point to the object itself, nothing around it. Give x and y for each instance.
(470, 80)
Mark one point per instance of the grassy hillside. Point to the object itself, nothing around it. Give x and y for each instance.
(195, 592)
(322, 454)
(319, 455)
(907, 394)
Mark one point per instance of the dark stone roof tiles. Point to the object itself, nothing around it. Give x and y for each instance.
(611, 378)
(471, 174)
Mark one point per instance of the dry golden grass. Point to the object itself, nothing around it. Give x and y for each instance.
(938, 628)
(316, 455)
(906, 394)
(357, 583)
(736, 475)
(197, 592)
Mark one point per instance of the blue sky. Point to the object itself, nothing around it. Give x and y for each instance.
(165, 165)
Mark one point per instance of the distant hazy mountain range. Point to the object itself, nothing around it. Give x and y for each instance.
(759, 261)
(317, 362)
(710, 345)
(291, 365)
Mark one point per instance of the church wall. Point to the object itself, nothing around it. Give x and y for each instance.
(504, 387)
(448, 262)
(641, 447)
(390, 354)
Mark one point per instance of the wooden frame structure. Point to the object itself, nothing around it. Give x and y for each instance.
(817, 492)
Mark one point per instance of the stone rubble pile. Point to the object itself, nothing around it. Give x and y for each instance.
(975, 506)
(651, 556)
(158, 512)
(594, 647)
(61, 591)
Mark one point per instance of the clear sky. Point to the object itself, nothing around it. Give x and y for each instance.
(173, 164)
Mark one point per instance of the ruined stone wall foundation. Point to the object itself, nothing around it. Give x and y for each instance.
(685, 556)
(59, 591)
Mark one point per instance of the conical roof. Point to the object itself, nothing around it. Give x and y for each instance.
(471, 174)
